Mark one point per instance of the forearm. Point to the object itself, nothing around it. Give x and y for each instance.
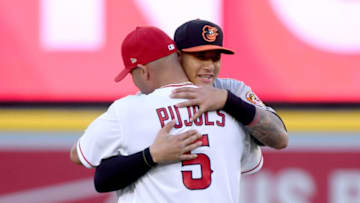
(239, 109)
(268, 129)
(74, 156)
(263, 125)
(120, 171)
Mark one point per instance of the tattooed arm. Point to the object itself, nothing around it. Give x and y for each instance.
(268, 129)
(264, 125)
(239, 101)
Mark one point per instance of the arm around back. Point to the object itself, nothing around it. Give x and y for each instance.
(265, 126)
(74, 156)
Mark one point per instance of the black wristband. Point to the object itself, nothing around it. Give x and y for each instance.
(239, 109)
(148, 158)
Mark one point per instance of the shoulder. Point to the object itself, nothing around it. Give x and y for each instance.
(228, 83)
(120, 105)
(126, 99)
(240, 89)
(237, 87)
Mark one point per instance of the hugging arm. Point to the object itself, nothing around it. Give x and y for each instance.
(265, 126)
(120, 171)
(117, 172)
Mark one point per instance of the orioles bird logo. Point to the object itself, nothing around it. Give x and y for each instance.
(251, 97)
(209, 33)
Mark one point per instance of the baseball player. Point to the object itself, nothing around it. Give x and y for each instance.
(130, 124)
(268, 127)
(200, 59)
(200, 44)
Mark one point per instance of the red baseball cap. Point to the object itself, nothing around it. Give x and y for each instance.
(142, 46)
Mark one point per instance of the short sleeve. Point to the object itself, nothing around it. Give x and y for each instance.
(241, 90)
(102, 139)
(252, 159)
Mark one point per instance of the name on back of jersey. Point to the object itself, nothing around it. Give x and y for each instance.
(166, 114)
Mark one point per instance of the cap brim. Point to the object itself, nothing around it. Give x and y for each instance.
(121, 75)
(208, 48)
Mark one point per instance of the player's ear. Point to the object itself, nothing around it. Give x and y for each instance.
(144, 71)
(179, 54)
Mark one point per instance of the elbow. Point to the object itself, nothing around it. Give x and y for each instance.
(106, 182)
(99, 188)
(75, 159)
(74, 156)
(99, 184)
(283, 141)
(281, 146)
(102, 186)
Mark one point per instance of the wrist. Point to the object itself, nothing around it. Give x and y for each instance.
(148, 158)
(239, 109)
(153, 155)
(255, 119)
(223, 97)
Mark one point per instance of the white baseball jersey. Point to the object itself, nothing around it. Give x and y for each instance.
(131, 124)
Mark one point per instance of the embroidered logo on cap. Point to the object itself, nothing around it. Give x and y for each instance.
(209, 33)
(171, 47)
(133, 60)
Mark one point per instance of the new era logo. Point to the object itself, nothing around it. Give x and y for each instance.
(171, 47)
(133, 60)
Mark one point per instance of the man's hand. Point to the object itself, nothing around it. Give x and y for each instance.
(207, 98)
(172, 148)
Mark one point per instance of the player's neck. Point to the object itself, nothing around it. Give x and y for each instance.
(175, 81)
(173, 75)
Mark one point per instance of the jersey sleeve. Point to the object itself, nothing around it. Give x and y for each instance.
(252, 159)
(241, 90)
(102, 139)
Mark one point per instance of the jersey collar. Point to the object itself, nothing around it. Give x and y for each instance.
(178, 84)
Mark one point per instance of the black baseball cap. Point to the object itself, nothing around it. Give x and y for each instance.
(200, 35)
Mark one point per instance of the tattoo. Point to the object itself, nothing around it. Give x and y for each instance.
(268, 129)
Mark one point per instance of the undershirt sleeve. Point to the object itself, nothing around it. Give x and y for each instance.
(119, 171)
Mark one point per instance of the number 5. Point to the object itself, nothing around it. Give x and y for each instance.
(203, 160)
